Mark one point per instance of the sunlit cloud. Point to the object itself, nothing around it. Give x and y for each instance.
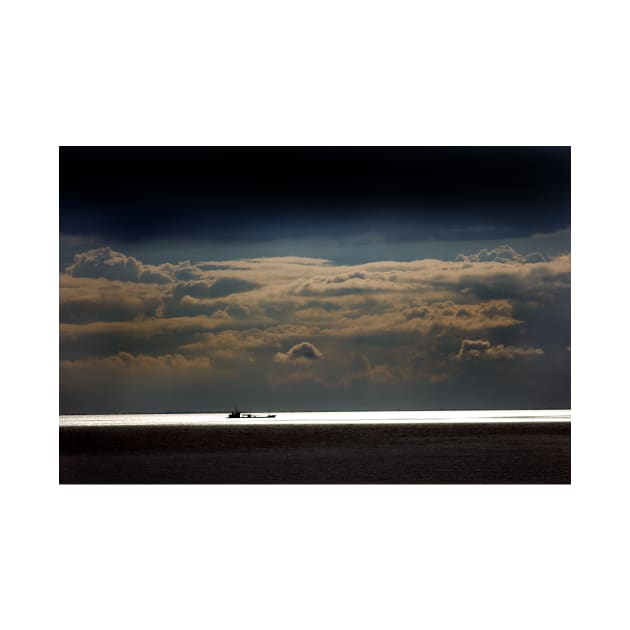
(502, 254)
(482, 348)
(304, 351)
(310, 322)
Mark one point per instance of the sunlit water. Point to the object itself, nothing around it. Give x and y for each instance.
(323, 417)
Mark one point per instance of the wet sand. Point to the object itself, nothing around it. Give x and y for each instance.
(401, 453)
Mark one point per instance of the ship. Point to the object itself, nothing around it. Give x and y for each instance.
(239, 414)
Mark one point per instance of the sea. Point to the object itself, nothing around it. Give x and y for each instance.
(373, 447)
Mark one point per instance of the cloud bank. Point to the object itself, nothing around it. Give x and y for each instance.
(310, 333)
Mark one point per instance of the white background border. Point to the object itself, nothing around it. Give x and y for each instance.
(482, 73)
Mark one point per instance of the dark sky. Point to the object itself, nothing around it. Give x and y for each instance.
(222, 194)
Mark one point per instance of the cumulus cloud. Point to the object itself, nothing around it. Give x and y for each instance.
(472, 347)
(449, 314)
(535, 257)
(207, 297)
(183, 270)
(417, 322)
(212, 288)
(104, 262)
(348, 283)
(501, 254)
(304, 351)
(482, 348)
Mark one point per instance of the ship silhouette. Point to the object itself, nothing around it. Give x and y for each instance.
(240, 414)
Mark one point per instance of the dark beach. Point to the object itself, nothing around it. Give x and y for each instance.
(495, 453)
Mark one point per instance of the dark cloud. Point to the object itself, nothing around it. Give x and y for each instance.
(85, 300)
(131, 194)
(420, 312)
(345, 277)
(206, 297)
(82, 310)
(153, 336)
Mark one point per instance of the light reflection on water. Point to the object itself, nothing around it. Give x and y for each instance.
(324, 417)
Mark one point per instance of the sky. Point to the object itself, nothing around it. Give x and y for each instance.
(200, 279)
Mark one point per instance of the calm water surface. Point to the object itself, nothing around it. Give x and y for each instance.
(323, 417)
(318, 447)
